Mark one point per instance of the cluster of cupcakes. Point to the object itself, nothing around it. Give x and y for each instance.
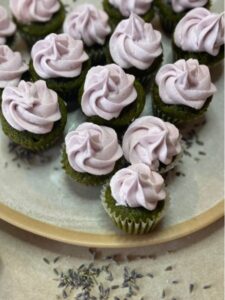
(104, 62)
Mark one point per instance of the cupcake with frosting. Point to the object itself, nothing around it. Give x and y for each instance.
(12, 67)
(171, 12)
(111, 97)
(37, 18)
(62, 62)
(89, 24)
(32, 115)
(91, 154)
(7, 28)
(135, 199)
(136, 47)
(153, 142)
(119, 10)
(182, 91)
(200, 35)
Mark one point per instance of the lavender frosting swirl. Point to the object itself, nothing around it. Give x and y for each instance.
(31, 107)
(126, 7)
(58, 55)
(185, 83)
(200, 31)
(135, 43)
(150, 140)
(87, 23)
(182, 5)
(138, 186)
(93, 149)
(27, 11)
(7, 27)
(107, 90)
(11, 67)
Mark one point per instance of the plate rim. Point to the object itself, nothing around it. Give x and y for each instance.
(78, 238)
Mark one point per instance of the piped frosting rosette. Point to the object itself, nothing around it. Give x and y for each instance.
(152, 141)
(27, 11)
(139, 7)
(200, 31)
(185, 83)
(58, 55)
(182, 5)
(135, 43)
(87, 23)
(107, 90)
(31, 107)
(93, 149)
(7, 27)
(11, 67)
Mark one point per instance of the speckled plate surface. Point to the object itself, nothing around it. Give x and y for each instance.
(38, 197)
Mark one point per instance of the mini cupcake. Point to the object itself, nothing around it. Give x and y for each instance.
(32, 115)
(171, 12)
(121, 9)
(111, 97)
(91, 154)
(151, 141)
(200, 35)
(37, 18)
(12, 67)
(62, 62)
(7, 28)
(182, 91)
(136, 47)
(89, 24)
(135, 200)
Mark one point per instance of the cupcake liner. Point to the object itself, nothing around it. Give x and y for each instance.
(176, 114)
(128, 114)
(115, 16)
(36, 142)
(204, 58)
(85, 178)
(37, 30)
(67, 88)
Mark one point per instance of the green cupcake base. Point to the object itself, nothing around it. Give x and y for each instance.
(96, 54)
(168, 17)
(115, 16)
(176, 114)
(86, 178)
(203, 57)
(128, 114)
(66, 88)
(36, 142)
(38, 30)
(131, 220)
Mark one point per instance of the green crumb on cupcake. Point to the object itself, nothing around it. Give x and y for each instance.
(37, 142)
(38, 30)
(86, 178)
(176, 114)
(131, 220)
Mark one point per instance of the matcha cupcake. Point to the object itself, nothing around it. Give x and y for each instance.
(111, 97)
(136, 47)
(62, 62)
(91, 154)
(119, 10)
(200, 35)
(135, 199)
(89, 24)
(151, 141)
(7, 28)
(32, 115)
(171, 12)
(182, 91)
(12, 67)
(37, 18)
